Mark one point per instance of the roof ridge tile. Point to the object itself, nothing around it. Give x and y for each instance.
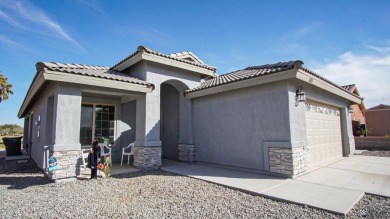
(73, 66)
(247, 73)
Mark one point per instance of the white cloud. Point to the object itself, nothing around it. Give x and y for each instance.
(370, 73)
(308, 28)
(7, 41)
(93, 7)
(9, 20)
(379, 49)
(27, 15)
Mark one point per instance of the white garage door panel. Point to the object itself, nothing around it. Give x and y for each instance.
(323, 131)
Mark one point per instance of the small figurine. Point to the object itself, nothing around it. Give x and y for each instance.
(107, 166)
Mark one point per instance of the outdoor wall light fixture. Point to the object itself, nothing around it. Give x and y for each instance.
(350, 109)
(300, 95)
(38, 122)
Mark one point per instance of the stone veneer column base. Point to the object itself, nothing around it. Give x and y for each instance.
(187, 152)
(288, 161)
(67, 164)
(147, 157)
(351, 146)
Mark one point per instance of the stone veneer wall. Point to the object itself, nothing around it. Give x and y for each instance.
(187, 152)
(351, 146)
(288, 161)
(147, 157)
(67, 164)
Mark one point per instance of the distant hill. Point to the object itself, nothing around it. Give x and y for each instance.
(10, 129)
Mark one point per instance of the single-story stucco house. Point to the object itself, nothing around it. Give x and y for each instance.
(280, 119)
(358, 110)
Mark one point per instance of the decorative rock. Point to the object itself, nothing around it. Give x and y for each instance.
(152, 194)
(187, 152)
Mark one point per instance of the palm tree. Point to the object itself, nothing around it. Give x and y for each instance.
(5, 88)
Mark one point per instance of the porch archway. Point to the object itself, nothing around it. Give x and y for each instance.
(173, 112)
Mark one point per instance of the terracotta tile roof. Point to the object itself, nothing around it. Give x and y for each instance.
(141, 49)
(247, 73)
(258, 71)
(90, 71)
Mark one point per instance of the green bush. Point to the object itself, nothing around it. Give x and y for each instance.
(363, 132)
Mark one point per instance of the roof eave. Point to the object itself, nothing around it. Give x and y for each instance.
(269, 78)
(95, 81)
(318, 82)
(174, 63)
(139, 56)
(289, 74)
(42, 77)
(37, 83)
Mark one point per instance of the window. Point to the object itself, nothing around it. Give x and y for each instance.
(102, 117)
(104, 123)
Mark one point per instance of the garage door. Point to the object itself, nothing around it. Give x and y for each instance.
(323, 131)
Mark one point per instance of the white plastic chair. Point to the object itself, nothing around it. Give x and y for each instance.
(128, 154)
(84, 156)
(103, 149)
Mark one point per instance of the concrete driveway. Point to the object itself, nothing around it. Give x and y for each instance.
(335, 188)
(361, 173)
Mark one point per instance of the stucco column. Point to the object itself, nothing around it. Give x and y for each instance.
(185, 120)
(290, 158)
(346, 130)
(66, 132)
(147, 153)
(186, 145)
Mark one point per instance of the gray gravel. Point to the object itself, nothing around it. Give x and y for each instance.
(376, 153)
(371, 206)
(153, 194)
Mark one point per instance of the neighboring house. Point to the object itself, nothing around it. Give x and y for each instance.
(378, 120)
(280, 119)
(358, 114)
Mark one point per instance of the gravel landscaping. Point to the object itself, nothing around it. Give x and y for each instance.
(25, 193)
(377, 153)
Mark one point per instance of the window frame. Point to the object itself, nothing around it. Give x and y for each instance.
(94, 118)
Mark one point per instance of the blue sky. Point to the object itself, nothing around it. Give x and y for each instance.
(345, 41)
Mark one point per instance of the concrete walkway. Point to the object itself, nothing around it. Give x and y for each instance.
(335, 188)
